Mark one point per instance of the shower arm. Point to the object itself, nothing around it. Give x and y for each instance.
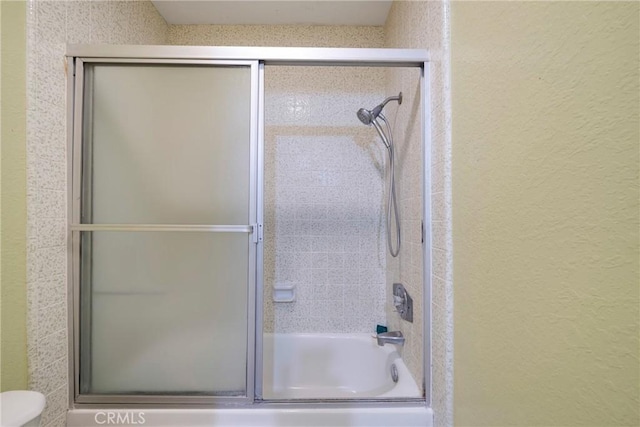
(378, 109)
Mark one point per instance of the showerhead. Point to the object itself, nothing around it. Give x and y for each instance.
(368, 116)
(365, 116)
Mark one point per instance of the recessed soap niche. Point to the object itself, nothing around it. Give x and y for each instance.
(285, 292)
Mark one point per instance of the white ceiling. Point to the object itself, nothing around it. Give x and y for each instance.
(268, 12)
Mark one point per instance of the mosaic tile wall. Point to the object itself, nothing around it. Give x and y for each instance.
(50, 26)
(407, 268)
(425, 24)
(323, 180)
(323, 202)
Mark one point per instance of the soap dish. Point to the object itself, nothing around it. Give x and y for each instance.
(284, 293)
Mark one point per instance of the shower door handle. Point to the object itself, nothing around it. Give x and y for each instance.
(165, 227)
(257, 231)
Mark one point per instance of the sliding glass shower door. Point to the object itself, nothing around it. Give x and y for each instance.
(164, 222)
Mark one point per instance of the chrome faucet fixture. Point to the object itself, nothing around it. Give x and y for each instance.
(394, 337)
(403, 302)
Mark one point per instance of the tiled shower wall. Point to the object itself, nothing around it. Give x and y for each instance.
(50, 26)
(323, 180)
(406, 268)
(425, 24)
(323, 200)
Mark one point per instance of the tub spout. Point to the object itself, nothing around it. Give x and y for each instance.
(394, 337)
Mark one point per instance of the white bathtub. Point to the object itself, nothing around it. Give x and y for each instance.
(303, 366)
(333, 366)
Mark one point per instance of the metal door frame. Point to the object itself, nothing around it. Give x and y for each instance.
(77, 226)
(257, 58)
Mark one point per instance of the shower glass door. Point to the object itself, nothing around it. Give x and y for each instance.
(163, 222)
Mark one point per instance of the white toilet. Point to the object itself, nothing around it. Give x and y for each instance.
(21, 408)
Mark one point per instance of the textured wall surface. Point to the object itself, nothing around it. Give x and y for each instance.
(276, 35)
(13, 198)
(545, 208)
(323, 179)
(424, 25)
(323, 200)
(50, 25)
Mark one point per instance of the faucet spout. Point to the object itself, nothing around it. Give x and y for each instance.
(394, 337)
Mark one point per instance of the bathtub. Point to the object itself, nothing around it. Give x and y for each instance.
(301, 366)
(333, 366)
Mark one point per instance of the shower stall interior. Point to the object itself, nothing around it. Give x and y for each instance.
(235, 230)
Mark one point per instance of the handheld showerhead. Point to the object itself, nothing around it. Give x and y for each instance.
(365, 116)
(368, 116)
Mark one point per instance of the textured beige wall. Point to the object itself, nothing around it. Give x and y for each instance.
(276, 35)
(545, 212)
(423, 24)
(13, 293)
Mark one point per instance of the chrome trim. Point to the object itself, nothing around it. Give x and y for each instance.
(142, 400)
(270, 55)
(169, 402)
(391, 337)
(74, 180)
(71, 75)
(426, 246)
(163, 227)
(136, 61)
(260, 244)
(85, 212)
(340, 403)
(253, 212)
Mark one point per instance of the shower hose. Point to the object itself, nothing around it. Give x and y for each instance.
(392, 205)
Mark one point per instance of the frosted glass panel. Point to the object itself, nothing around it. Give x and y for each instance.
(169, 312)
(162, 311)
(167, 144)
